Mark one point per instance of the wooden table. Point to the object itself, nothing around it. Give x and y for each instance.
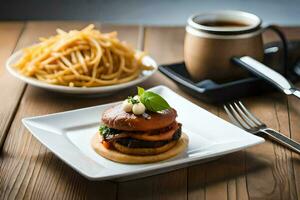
(28, 170)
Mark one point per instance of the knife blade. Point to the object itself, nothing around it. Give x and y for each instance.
(268, 74)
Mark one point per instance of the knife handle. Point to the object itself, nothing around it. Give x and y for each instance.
(282, 139)
(296, 93)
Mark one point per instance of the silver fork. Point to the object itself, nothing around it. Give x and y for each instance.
(242, 117)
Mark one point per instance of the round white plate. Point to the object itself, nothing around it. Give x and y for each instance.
(101, 90)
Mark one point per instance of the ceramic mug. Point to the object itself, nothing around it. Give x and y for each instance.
(213, 38)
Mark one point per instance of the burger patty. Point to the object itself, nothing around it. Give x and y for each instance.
(110, 134)
(135, 143)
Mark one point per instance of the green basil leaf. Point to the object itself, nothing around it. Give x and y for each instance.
(140, 91)
(154, 102)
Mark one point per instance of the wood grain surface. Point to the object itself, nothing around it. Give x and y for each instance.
(29, 171)
(10, 34)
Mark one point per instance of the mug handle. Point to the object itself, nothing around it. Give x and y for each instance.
(284, 41)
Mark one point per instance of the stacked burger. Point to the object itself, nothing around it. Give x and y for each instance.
(142, 129)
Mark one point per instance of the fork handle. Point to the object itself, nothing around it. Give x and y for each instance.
(282, 139)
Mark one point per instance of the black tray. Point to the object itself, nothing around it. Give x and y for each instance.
(210, 91)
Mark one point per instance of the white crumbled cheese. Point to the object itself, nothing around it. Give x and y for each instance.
(138, 109)
(127, 106)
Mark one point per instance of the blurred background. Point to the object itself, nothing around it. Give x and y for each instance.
(155, 12)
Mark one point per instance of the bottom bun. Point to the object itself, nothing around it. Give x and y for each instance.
(117, 156)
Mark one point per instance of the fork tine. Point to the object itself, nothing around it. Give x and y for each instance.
(250, 115)
(248, 120)
(238, 117)
(231, 117)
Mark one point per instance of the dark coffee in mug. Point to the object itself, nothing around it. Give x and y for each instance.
(223, 23)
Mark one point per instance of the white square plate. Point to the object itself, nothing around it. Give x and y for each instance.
(68, 135)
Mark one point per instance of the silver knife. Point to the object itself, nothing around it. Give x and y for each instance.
(268, 74)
